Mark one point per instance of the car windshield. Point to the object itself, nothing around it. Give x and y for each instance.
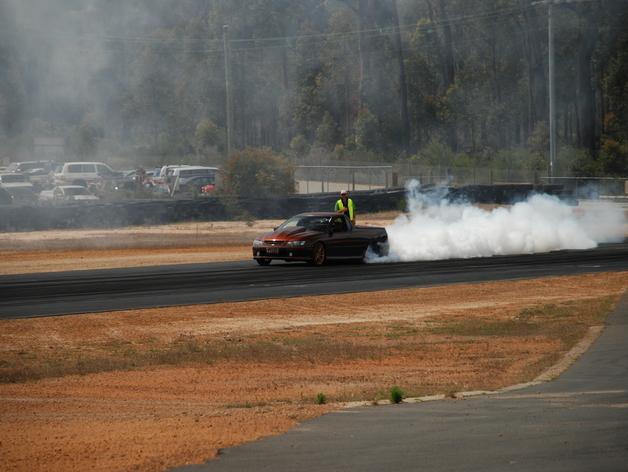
(28, 166)
(190, 173)
(317, 223)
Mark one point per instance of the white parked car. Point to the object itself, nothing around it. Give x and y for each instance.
(85, 173)
(167, 170)
(185, 173)
(67, 193)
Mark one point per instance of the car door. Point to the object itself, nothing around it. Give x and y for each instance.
(360, 241)
(340, 242)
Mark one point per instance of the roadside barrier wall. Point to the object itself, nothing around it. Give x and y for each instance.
(151, 212)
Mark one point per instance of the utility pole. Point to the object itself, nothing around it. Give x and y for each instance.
(225, 42)
(552, 95)
(552, 92)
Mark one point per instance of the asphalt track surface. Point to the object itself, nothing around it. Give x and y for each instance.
(578, 422)
(87, 291)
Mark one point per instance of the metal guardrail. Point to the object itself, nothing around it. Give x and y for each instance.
(593, 187)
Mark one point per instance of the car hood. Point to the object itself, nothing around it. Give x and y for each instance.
(292, 234)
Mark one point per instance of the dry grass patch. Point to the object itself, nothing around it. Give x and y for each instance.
(153, 389)
(559, 325)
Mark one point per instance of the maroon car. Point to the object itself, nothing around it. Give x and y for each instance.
(317, 238)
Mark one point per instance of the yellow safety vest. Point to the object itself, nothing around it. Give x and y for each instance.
(350, 204)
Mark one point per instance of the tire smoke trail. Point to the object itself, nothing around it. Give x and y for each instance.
(435, 228)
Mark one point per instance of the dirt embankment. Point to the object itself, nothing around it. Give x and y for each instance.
(152, 389)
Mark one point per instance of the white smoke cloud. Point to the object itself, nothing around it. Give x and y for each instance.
(435, 228)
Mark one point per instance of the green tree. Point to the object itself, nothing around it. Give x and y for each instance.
(257, 172)
(367, 133)
(208, 138)
(327, 132)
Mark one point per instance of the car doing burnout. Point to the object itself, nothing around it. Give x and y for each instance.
(317, 238)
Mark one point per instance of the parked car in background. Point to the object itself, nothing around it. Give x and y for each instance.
(40, 178)
(188, 172)
(39, 173)
(182, 176)
(167, 170)
(86, 174)
(5, 197)
(67, 193)
(13, 178)
(29, 166)
(21, 193)
(139, 177)
(197, 186)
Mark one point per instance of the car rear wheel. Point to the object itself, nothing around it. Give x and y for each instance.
(319, 255)
(263, 262)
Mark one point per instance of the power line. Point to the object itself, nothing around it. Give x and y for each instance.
(344, 35)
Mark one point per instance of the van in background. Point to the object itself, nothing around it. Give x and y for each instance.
(85, 174)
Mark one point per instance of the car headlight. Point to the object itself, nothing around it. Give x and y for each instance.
(258, 243)
(296, 243)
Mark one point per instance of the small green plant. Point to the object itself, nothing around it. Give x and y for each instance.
(321, 399)
(396, 395)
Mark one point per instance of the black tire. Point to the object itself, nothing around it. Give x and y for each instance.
(376, 248)
(319, 255)
(263, 262)
(363, 260)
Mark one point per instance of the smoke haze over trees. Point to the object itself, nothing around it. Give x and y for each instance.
(442, 82)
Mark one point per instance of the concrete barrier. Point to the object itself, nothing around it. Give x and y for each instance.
(151, 212)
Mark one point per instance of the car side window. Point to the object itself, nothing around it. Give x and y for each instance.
(340, 225)
(75, 168)
(103, 170)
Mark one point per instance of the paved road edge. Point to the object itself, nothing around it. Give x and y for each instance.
(571, 356)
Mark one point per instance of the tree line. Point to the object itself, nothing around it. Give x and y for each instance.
(440, 82)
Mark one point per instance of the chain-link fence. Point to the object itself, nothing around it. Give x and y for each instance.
(334, 176)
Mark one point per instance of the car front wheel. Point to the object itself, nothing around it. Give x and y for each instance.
(263, 262)
(319, 255)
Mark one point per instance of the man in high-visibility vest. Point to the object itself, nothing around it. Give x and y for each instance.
(346, 205)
